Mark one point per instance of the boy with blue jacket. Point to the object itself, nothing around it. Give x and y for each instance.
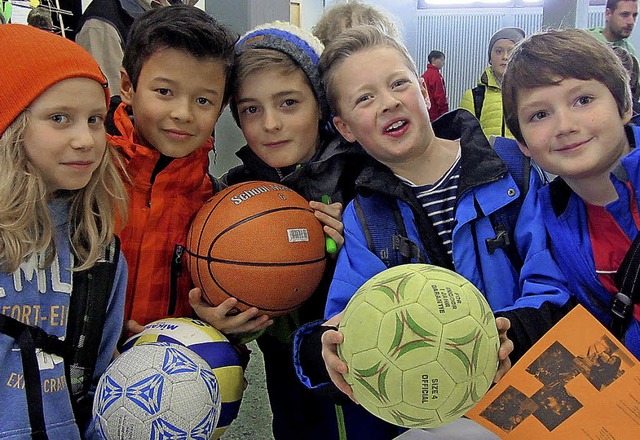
(568, 102)
(444, 180)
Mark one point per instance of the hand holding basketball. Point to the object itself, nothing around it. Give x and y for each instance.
(257, 242)
(331, 217)
(218, 316)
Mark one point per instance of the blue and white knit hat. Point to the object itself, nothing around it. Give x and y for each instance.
(299, 45)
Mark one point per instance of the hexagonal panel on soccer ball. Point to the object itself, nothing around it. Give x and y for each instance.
(427, 386)
(466, 349)
(387, 294)
(409, 416)
(360, 330)
(446, 301)
(489, 346)
(409, 336)
(375, 381)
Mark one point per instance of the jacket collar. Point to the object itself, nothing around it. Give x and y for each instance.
(257, 168)
(479, 163)
(487, 79)
(141, 161)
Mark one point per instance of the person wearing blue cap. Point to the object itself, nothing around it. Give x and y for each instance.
(485, 100)
(278, 100)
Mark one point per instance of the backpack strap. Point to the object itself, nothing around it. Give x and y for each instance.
(87, 314)
(517, 163)
(29, 339)
(385, 231)
(504, 220)
(478, 99)
(628, 282)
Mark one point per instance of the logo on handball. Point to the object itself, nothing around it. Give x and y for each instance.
(212, 346)
(260, 243)
(421, 345)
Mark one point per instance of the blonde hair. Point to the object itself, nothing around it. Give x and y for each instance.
(350, 42)
(25, 223)
(346, 15)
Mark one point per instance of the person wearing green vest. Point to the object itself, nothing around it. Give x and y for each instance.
(485, 100)
(620, 18)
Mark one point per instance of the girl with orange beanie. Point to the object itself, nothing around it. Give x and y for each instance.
(60, 193)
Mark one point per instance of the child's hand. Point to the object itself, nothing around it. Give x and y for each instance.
(132, 327)
(506, 347)
(331, 217)
(245, 322)
(129, 329)
(334, 365)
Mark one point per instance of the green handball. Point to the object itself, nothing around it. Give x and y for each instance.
(421, 345)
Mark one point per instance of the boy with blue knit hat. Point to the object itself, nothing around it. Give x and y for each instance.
(278, 100)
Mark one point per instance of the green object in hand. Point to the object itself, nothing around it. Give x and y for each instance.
(329, 242)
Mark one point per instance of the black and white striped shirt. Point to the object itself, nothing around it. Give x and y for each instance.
(439, 200)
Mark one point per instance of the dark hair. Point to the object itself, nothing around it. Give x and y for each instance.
(613, 4)
(41, 18)
(181, 27)
(630, 63)
(548, 57)
(434, 55)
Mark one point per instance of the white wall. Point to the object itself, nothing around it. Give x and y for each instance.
(311, 10)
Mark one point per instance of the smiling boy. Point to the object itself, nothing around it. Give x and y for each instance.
(174, 79)
(279, 103)
(567, 102)
(443, 179)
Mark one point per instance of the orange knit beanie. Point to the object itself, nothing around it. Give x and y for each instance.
(34, 61)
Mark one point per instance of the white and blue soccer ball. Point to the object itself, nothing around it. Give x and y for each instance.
(157, 391)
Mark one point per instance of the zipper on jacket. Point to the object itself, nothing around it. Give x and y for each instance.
(176, 272)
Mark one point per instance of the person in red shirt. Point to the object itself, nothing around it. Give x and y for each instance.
(435, 85)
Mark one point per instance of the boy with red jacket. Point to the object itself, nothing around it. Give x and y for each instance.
(174, 81)
(435, 85)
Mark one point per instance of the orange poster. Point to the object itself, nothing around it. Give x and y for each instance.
(577, 382)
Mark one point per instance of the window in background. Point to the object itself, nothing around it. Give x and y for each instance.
(442, 4)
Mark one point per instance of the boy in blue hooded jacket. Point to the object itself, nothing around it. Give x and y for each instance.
(568, 103)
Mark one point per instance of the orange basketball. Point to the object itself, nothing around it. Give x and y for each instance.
(258, 242)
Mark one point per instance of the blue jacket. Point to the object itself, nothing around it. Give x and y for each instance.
(40, 297)
(553, 228)
(484, 188)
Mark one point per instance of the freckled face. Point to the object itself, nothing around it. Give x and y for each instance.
(383, 106)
